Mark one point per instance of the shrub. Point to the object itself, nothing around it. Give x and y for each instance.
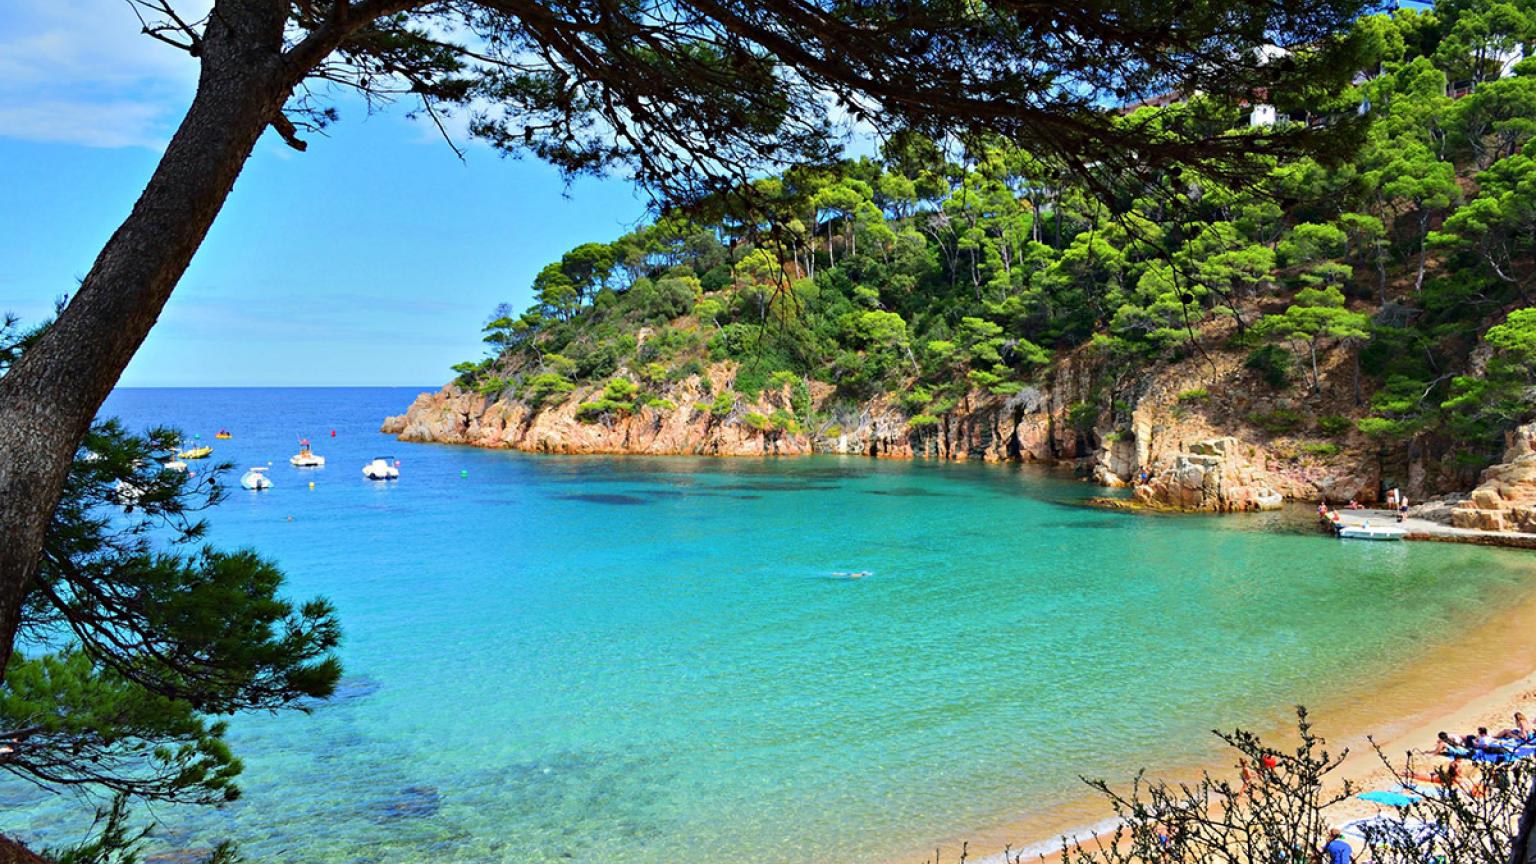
(617, 399)
(1333, 424)
(1284, 814)
(1277, 422)
(1082, 417)
(548, 388)
(1273, 363)
(684, 370)
(922, 421)
(1320, 448)
(491, 385)
(724, 404)
(1199, 394)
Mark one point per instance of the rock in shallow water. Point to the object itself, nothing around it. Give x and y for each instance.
(412, 802)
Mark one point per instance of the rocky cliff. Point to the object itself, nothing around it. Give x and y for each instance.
(1505, 500)
(1202, 434)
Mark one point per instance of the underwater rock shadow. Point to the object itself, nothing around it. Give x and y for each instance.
(774, 486)
(411, 802)
(350, 688)
(598, 498)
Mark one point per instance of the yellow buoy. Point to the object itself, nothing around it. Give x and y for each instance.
(311, 484)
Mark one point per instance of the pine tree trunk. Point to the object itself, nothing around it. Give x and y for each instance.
(49, 398)
(1418, 281)
(1359, 398)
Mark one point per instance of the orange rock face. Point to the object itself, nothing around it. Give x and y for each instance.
(1505, 499)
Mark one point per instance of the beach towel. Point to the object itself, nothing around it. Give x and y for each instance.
(1390, 798)
(1427, 791)
(1497, 758)
(1391, 831)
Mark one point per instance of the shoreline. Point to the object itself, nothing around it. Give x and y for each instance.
(1416, 528)
(1389, 718)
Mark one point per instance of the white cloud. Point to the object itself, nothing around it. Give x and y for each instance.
(80, 72)
(93, 124)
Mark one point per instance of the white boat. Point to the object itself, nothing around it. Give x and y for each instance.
(1370, 532)
(306, 458)
(175, 465)
(256, 478)
(381, 468)
(128, 494)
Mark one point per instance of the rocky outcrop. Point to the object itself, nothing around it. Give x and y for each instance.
(687, 426)
(1505, 499)
(1156, 431)
(1212, 475)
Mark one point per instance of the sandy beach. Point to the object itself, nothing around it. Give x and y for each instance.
(1479, 679)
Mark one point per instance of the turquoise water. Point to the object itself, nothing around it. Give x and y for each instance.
(650, 659)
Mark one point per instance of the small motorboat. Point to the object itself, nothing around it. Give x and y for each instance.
(223, 434)
(1370, 532)
(305, 458)
(127, 494)
(256, 478)
(381, 468)
(175, 465)
(196, 453)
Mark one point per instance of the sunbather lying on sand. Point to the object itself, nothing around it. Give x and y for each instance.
(1521, 730)
(1445, 745)
(1459, 775)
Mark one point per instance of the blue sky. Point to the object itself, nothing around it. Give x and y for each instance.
(372, 259)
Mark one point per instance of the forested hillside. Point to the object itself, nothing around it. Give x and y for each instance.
(1374, 308)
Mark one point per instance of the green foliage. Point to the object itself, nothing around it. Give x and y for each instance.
(942, 283)
(1198, 394)
(1272, 363)
(618, 400)
(1335, 425)
(161, 637)
(548, 388)
(1083, 417)
(722, 406)
(1281, 421)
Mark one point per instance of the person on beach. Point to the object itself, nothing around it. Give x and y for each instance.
(1246, 775)
(1445, 745)
(1402, 508)
(1337, 850)
(1456, 775)
(1520, 731)
(1487, 743)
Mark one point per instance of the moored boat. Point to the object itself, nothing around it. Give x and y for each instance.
(196, 453)
(306, 458)
(1370, 532)
(256, 478)
(381, 468)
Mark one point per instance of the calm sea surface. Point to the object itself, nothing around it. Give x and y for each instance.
(652, 660)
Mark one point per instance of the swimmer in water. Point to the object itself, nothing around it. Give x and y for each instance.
(858, 574)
